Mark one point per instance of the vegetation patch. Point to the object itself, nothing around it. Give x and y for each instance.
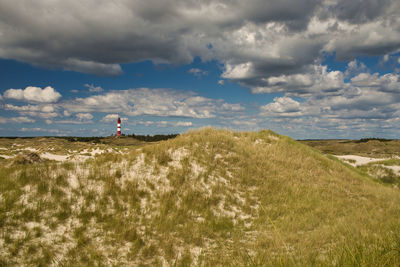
(207, 197)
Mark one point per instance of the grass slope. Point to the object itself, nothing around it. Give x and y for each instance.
(208, 198)
(376, 148)
(387, 150)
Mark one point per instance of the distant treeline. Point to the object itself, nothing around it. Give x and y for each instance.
(17, 137)
(92, 139)
(144, 138)
(99, 139)
(154, 138)
(364, 140)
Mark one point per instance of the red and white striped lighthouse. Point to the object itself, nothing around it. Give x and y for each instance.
(119, 127)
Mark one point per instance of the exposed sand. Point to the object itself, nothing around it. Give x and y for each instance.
(50, 156)
(273, 137)
(259, 142)
(94, 151)
(31, 149)
(358, 159)
(71, 156)
(365, 160)
(396, 169)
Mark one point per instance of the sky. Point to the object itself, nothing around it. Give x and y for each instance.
(309, 69)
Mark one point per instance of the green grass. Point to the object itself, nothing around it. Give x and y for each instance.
(208, 198)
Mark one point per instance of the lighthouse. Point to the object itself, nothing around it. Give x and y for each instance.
(119, 127)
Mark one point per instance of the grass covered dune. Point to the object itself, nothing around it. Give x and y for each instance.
(207, 198)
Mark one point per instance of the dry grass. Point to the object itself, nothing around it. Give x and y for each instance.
(371, 148)
(208, 198)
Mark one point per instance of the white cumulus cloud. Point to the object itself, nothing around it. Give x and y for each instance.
(112, 118)
(184, 123)
(164, 123)
(156, 102)
(198, 72)
(41, 110)
(94, 89)
(33, 94)
(84, 116)
(282, 106)
(16, 120)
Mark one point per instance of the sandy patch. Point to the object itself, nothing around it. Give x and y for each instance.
(259, 142)
(93, 152)
(177, 155)
(31, 149)
(79, 158)
(55, 157)
(273, 137)
(195, 252)
(365, 160)
(358, 160)
(396, 169)
(197, 169)
(218, 156)
(73, 181)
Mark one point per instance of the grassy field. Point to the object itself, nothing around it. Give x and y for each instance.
(386, 168)
(376, 148)
(206, 198)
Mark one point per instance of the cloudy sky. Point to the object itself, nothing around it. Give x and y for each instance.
(303, 68)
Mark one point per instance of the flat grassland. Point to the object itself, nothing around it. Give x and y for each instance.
(373, 147)
(205, 198)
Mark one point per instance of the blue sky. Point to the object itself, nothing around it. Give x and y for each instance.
(307, 69)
